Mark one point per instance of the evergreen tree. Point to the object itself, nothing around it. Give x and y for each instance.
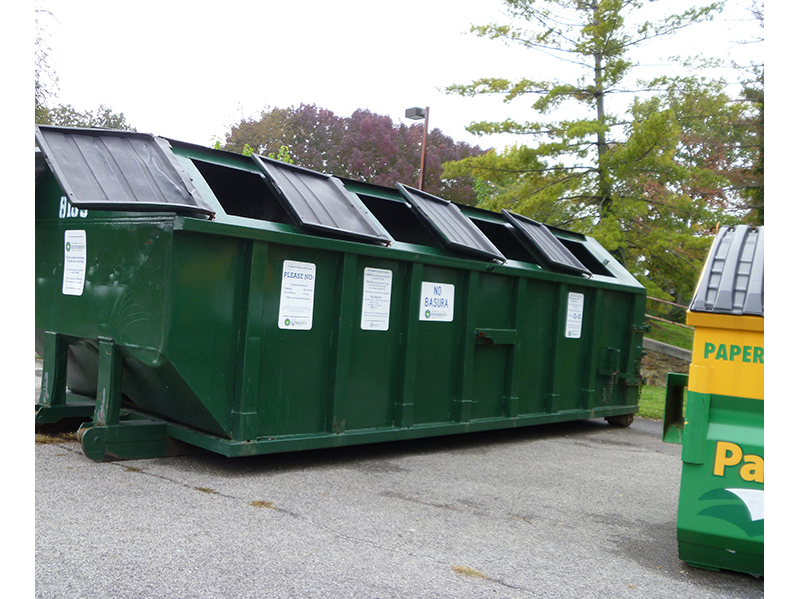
(651, 184)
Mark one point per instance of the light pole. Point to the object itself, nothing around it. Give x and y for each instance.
(416, 114)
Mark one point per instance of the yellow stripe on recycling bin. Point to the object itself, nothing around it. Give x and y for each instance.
(727, 355)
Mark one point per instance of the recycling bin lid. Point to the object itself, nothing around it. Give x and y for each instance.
(450, 225)
(541, 242)
(321, 201)
(105, 169)
(732, 281)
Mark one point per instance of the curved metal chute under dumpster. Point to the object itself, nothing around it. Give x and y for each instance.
(248, 306)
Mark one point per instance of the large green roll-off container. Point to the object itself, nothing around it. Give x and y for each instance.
(248, 306)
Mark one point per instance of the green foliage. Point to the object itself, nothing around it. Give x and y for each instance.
(651, 185)
(751, 181)
(284, 155)
(516, 179)
(67, 116)
(670, 334)
(247, 150)
(651, 402)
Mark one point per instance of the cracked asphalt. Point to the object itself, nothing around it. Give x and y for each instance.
(569, 510)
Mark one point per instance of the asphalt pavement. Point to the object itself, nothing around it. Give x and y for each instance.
(575, 510)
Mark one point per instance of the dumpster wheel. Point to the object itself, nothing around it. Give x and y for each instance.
(624, 420)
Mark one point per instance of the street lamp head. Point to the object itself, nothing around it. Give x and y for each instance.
(415, 113)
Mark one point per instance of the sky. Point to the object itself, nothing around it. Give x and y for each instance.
(187, 72)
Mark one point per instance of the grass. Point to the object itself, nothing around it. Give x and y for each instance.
(669, 333)
(651, 403)
(469, 572)
(54, 438)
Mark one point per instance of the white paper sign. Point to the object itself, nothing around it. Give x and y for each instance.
(377, 299)
(296, 309)
(574, 315)
(437, 302)
(74, 262)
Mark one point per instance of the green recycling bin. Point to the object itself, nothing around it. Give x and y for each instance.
(248, 306)
(721, 507)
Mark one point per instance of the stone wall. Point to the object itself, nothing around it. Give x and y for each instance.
(661, 358)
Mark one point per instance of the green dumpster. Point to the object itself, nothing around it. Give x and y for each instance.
(248, 306)
(721, 506)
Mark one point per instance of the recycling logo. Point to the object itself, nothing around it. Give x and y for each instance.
(744, 508)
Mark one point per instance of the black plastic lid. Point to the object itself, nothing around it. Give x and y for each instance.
(545, 246)
(733, 277)
(321, 201)
(450, 225)
(118, 170)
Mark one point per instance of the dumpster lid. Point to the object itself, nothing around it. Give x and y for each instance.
(450, 225)
(321, 201)
(105, 169)
(541, 242)
(733, 277)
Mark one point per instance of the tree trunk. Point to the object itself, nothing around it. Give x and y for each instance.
(603, 183)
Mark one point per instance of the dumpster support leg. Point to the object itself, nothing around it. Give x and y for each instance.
(53, 404)
(54, 377)
(109, 375)
(109, 436)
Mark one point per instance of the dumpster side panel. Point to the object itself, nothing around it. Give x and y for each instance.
(537, 358)
(571, 344)
(368, 386)
(494, 381)
(111, 283)
(123, 269)
(203, 335)
(619, 346)
(439, 344)
(296, 359)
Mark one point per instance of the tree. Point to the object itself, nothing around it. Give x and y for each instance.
(751, 178)
(44, 76)
(674, 183)
(364, 146)
(651, 184)
(516, 179)
(64, 115)
(46, 90)
(595, 36)
(373, 149)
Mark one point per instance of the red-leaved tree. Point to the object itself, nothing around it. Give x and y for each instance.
(364, 146)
